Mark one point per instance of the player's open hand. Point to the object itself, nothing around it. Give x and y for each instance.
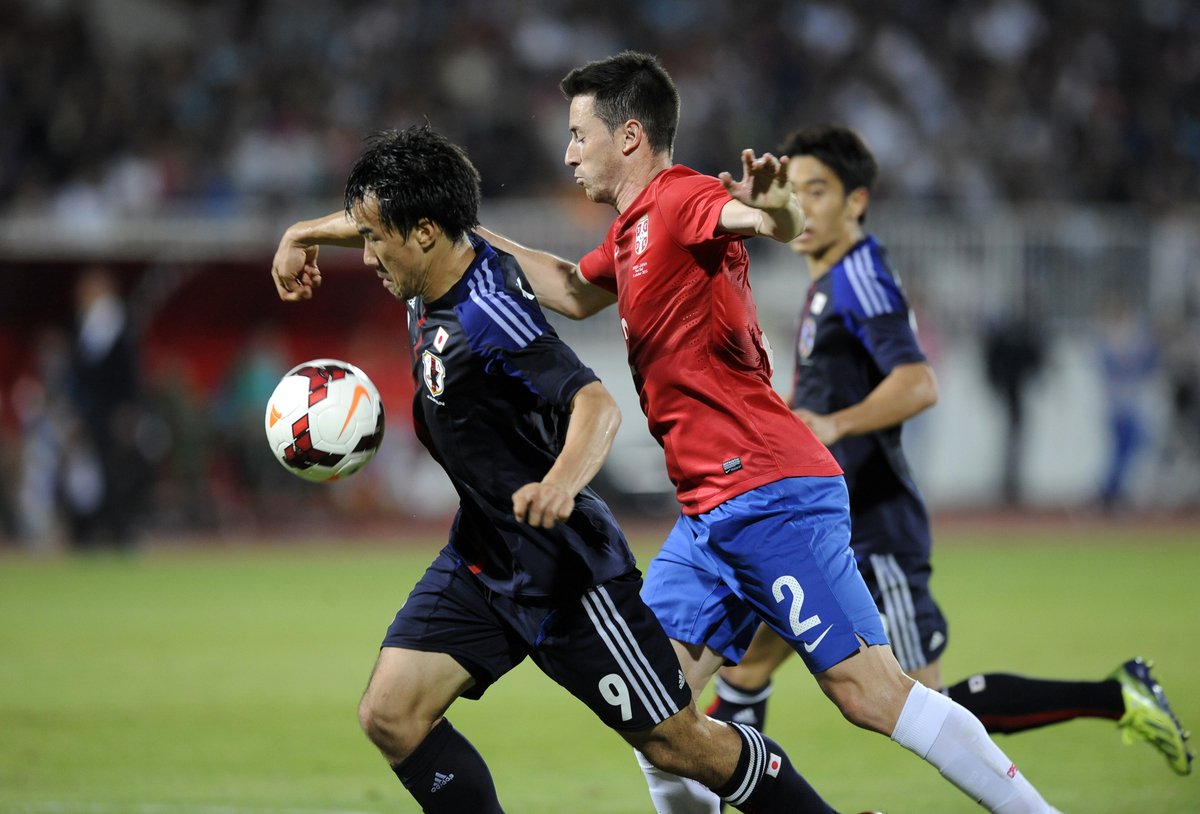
(764, 183)
(822, 426)
(542, 504)
(295, 271)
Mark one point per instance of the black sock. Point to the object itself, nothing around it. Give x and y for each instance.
(765, 782)
(1007, 703)
(740, 705)
(445, 774)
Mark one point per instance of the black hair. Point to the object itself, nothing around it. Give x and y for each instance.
(839, 148)
(414, 174)
(630, 86)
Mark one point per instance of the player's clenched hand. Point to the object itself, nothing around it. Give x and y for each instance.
(295, 271)
(764, 183)
(823, 426)
(542, 504)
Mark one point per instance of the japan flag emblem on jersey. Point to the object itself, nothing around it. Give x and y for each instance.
(435, 373)
(641, 235)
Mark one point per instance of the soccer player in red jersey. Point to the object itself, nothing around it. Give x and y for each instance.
(765, 529)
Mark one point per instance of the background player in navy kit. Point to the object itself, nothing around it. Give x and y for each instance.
(536, 565)
(859, 375)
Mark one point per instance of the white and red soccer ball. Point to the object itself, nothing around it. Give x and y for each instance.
(325, 420)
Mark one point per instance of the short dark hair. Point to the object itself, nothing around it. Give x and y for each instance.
(630, 86)
(414, 174)
(839, 148)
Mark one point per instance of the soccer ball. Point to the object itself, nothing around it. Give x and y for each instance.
(325, 420)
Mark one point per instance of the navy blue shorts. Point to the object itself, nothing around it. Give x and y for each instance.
(606, 648)
(779, 553)
(915, 625)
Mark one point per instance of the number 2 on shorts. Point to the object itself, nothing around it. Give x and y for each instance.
(615, 692)
(797, 626)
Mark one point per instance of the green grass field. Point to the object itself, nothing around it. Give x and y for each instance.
(226, 681)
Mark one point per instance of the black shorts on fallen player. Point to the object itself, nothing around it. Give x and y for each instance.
(606, 648)
(915, 625)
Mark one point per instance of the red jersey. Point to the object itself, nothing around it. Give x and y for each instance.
(700, 362)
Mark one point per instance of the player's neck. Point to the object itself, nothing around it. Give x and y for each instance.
(447, 269)
(638, 177)
(820, 264)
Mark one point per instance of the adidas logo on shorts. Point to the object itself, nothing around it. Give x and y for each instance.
(682, 680)
(440, 780)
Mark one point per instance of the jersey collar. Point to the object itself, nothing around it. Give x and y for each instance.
(459, 291)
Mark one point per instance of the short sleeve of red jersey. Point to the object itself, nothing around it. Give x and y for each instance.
(598, 267)
(690, 206)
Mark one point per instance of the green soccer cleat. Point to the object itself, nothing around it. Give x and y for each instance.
(1148, 716)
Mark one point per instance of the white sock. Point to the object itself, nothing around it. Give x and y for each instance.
(952, 739)
(673, 794)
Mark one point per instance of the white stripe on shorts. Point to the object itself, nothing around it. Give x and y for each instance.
(628, 655)
(655, 681)
(902, 617)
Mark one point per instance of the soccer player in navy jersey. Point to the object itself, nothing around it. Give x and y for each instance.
(536, 566)
(765, 527)
(860, 373)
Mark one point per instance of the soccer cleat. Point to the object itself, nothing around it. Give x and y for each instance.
(1148, 716)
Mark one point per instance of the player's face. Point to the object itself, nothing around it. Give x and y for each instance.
(830, 217)
(398, 260)
(593, 152)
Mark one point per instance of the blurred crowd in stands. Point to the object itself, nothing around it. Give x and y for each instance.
(233, 105)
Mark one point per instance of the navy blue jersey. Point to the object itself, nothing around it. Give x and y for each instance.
(856, 326)
(494, 386)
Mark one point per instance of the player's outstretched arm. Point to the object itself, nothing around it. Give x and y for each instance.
(594, 421)
(763, 203)
(903, 393)
(558, 283)
(294, 268)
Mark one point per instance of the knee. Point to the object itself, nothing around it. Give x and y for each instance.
(866, 706)
(666, 745)
(665, 756)
(692, 745)
(373, 719)
(396, 733)
(852, 702)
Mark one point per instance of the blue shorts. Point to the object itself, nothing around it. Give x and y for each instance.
(779, 553)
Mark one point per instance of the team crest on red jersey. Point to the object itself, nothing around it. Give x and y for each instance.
(435, 373)
(641, 235)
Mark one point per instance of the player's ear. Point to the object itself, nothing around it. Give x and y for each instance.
(632, 135)
(426, 233)
(856, 202)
